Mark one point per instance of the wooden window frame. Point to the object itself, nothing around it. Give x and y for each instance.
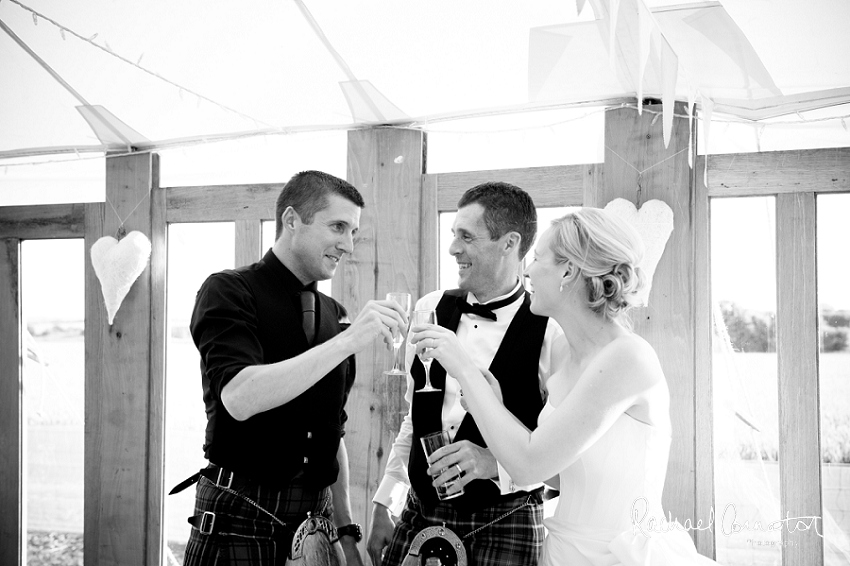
(18, 223)
(795, 177)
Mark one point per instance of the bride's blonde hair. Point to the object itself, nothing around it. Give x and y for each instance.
(605, 251)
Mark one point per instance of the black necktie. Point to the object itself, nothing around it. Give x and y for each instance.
(308, 312)
(486, 311)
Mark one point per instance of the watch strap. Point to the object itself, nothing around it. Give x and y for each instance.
(352, 530)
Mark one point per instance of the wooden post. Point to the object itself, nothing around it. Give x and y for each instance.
(118, 379)
(703, 381)
(248, 236)
(639, 168)
(386, 166)
(11, 418)
(799, 400)
(159, 338)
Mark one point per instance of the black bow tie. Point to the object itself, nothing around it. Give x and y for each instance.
(486, 311)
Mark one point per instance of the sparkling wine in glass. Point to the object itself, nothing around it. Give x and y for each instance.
(404, 301)
(420, 318)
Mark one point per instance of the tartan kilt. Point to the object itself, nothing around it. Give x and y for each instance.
(255, 538)
(515, 540)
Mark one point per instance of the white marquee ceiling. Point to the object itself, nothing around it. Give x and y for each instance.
(92, 75)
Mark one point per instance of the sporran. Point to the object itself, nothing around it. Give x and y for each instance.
(436, 546)
(315, 543)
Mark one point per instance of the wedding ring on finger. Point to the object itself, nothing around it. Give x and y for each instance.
(459, 470)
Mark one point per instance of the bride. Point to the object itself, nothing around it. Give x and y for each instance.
(604, 433)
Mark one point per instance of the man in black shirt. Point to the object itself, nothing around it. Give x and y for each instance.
(275, 394)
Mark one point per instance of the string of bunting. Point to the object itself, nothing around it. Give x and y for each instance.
(90, 40)
(205, 140)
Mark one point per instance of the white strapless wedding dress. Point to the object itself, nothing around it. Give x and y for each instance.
(608, 499)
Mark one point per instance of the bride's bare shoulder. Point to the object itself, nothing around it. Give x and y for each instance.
(634, 354)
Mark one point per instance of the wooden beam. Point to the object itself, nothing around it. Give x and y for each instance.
(638, 168)
(11, 410)
(222, 203)
(561, 185)
(158, 341)
(42, 221)
(799, 400)
(703, 379)
(118, 375)
(778, 172)
(385, 258)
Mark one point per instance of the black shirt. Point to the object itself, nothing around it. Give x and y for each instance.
(252, 316)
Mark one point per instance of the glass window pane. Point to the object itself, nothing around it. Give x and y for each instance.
(268, 235)
(448, 267)
(52, 282)
(744, 364)
(194, 252)
(834, 373)
(268, 242)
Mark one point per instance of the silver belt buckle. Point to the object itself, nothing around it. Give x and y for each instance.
(206, 527)
(229, 479)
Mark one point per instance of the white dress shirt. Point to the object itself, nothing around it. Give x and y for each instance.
(481, 339)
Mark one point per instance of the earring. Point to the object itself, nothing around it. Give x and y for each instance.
(561, 288)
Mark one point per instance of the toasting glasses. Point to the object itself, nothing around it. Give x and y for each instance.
(404, 301)
(420, 318)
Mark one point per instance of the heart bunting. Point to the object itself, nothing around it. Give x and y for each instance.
(117, 265)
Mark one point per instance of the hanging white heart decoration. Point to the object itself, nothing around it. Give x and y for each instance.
(654, 223)
(118, 265)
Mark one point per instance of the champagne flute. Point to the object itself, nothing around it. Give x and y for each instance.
(420, 318)
(404, 301)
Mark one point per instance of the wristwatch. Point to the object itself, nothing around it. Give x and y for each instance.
(352, 530)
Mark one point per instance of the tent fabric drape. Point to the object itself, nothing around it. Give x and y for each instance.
(197, 72)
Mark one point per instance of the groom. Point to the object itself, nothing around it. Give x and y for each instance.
(499, 522)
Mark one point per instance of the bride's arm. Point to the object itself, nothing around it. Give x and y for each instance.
(619, 378)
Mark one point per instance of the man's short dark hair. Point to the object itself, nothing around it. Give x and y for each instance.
(507, 208)
(307, 192)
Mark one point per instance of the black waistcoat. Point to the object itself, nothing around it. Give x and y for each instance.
(515, 366)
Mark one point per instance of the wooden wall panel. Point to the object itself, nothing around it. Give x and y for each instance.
(11, 417)
(776, 172)
(385, 165)
(42, 221)
(429, 244)
(248, 236)
(118, 380)
(222, 203)
(594, 180)
(634, 144)
(799, 400)
(561, 185)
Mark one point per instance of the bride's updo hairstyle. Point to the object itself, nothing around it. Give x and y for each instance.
(605, 251)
